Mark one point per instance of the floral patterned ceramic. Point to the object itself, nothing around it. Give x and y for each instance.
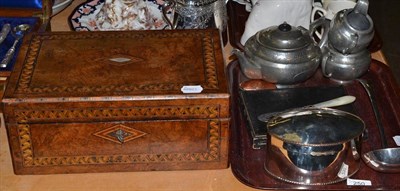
(105, 15)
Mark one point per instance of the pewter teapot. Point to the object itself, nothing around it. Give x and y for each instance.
(283, 54)
(351, 30)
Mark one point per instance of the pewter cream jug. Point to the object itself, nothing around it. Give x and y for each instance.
(351, 30)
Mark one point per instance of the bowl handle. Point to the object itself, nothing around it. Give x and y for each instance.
(323, 65)
(354, 151)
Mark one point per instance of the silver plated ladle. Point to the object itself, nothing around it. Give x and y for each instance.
(343, 100)
(17, 32)
(386, 159)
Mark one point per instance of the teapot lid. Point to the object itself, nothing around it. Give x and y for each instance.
(283, 37)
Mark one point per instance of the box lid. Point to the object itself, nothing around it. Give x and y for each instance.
(123, 65)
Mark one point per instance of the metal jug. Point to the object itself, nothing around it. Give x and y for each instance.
(195, 14)
(345, 67)
(351, 30)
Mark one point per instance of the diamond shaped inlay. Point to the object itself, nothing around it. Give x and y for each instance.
(120, 134)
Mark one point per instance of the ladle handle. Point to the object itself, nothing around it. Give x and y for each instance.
(335, 102)
(371, 97)
(9, 55)
(344, 100)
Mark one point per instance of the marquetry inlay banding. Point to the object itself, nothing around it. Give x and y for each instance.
(209, 63)
(120, 134)
(213, 152)
(78, 114)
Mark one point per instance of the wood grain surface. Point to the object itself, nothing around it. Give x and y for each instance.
(158, 180)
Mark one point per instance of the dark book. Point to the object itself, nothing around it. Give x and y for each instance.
(255, 103)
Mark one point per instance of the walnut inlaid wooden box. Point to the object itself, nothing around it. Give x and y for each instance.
(112, 101)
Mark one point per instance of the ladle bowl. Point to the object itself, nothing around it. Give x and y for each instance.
(383, 160)
(386, 159)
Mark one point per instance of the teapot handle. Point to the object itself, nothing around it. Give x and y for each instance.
(324, 23)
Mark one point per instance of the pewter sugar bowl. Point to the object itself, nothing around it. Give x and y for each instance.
(281, 54)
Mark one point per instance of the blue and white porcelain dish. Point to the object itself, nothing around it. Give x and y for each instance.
(106, 15)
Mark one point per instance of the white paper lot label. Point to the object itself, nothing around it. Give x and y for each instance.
(344, 171)
(397, 139)
(191, 89)
(357, 182)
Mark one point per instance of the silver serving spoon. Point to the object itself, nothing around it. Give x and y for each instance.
(386, 159)
(18, 32)
(4, 32)
(344, 100)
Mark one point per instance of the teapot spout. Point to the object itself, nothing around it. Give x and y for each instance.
(251, 71)
(240, 55)
(362, 7)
